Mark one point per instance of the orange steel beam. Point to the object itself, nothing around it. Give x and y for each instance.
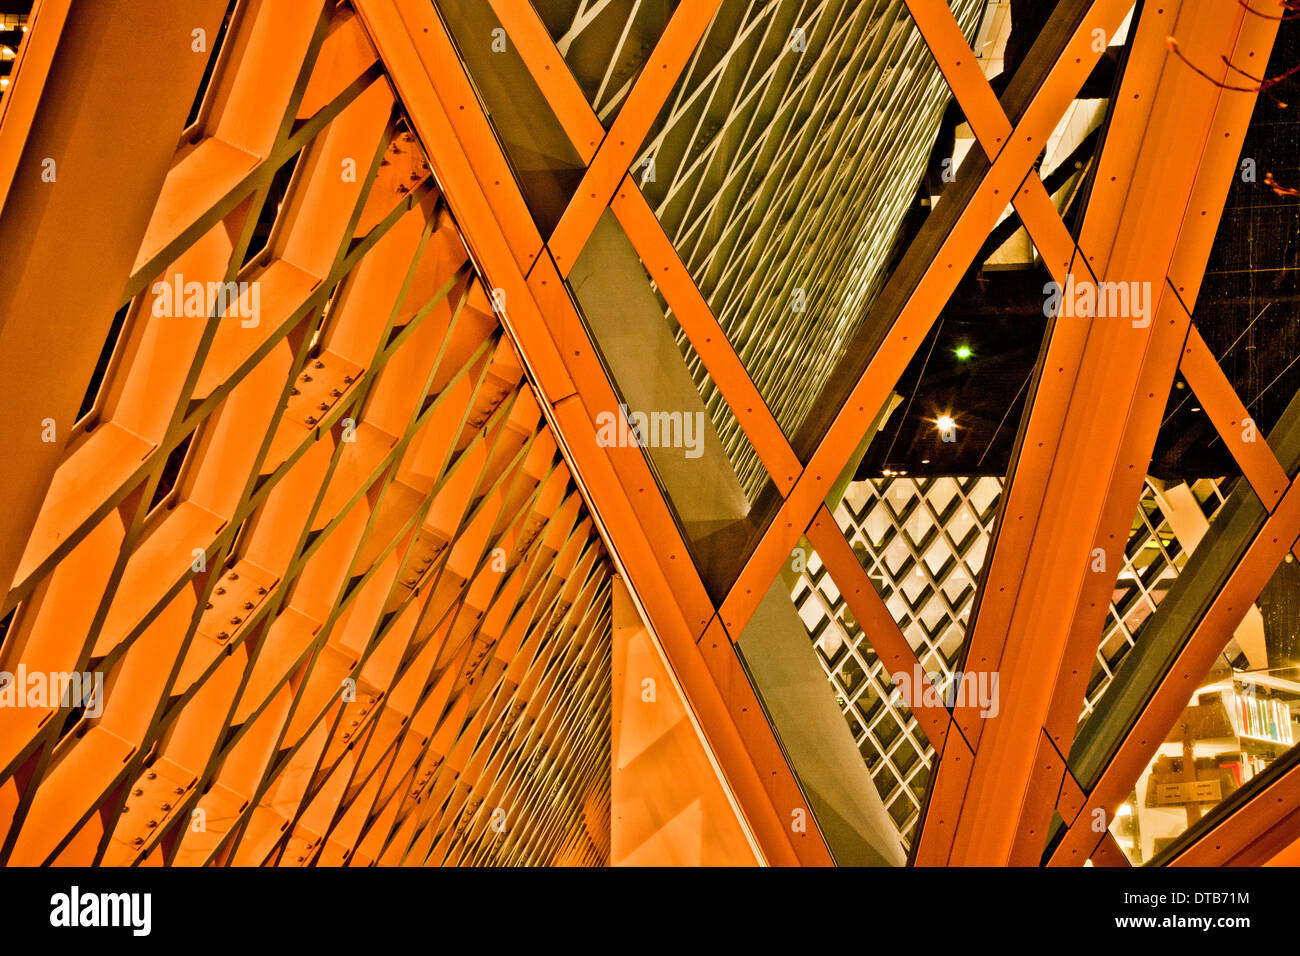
(18, 108)
(79, 239)
(1108, 853)
(1286, 856)
(909, 313)
(1247, 835)
(1232, 113)
(1041, 655)
(547, 67)
(876, 621)
(1159, 714)
(1257, 462)
(647, 235)
(706, 335)
(993, 130)
(585, 132)
(681, 36)
(988, 120)
(1231, 419)
(1220, 150)
(979, 104)
(539, 311)
(573, 386)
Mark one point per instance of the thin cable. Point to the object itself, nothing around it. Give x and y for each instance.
(937, 332)
(1004, 417)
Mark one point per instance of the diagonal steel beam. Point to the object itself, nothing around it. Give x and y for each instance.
(1133, 740)
(1248, 828)
(617, 151)
(874, 618)
(837, 793)
(911, 303)
(80, 240)
(572, 386)
(706, 335)
(1232, 421)
(979, 104)
(1108, 853)
(1059, 537)
(547, 67)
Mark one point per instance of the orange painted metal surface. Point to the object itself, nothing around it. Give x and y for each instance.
(874, 618)
(551, 73)
(1207, 640)
(1232, 422)
(314, 547)
(607, 168)
(1262, 831)
(626, 500)
(706, 335)
(325, 559)
(920, 309)
(1028, 554)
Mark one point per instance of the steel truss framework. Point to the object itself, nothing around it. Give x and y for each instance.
(1165, 162)
(347, 603)
(1039, 610)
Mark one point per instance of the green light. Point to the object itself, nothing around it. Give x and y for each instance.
(962, 352)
